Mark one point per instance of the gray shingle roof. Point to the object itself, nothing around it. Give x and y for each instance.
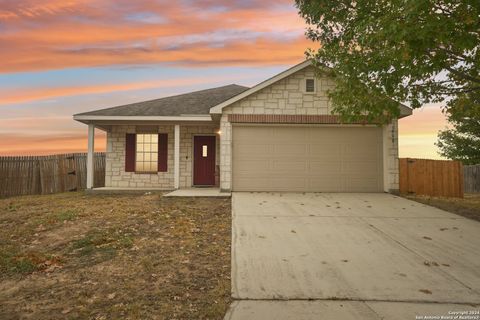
(197, 102)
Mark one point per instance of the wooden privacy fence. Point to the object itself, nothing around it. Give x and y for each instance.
(23, 175)
(471, 176)
(439, 178)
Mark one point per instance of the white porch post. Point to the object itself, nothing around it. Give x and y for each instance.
(176, 158)
(91, 138)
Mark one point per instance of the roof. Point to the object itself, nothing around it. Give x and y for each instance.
(192, 103)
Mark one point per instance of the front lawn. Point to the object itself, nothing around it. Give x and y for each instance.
(469, 206)
(69, 256)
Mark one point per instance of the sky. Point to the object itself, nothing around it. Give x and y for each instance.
(61, 57)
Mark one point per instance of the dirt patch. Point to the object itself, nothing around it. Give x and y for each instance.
(468, 207)
(106, 257)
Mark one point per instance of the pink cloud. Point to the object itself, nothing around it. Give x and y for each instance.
(95, 33)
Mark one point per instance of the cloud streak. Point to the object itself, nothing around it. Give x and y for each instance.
(23, 95)
(47, 144)
(87, 33)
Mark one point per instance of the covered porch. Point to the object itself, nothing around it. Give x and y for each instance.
(183, 153)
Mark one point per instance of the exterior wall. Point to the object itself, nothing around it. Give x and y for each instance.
(390, 158)
(288, 97)
(115, 175)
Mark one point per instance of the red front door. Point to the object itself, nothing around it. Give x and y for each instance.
(204, 160)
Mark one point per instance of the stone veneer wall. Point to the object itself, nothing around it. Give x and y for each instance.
(288, 97)
(390, 157)
(115, 175)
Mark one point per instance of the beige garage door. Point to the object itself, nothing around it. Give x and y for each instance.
(325, 159)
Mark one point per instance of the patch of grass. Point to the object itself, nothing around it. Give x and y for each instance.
(67, 215)
(13, 261)
(11, 207)
(101, 244)
(50, 220)
(468, 207)
(114, 257)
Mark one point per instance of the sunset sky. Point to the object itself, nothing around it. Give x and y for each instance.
(60, 57)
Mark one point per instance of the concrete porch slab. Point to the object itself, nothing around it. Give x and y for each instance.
(198, 192)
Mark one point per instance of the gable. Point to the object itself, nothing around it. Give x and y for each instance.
(286, 93)
(287, 96)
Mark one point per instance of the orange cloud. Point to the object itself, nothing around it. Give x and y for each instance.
(259, 52)
(32, 9)
(44, 145)
(95, 33)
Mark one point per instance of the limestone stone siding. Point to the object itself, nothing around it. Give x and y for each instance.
(225, 154)
(390, 157)
(287, 96)
(115, 175)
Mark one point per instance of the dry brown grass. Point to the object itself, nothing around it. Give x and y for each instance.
(468, 207)
(107, 257)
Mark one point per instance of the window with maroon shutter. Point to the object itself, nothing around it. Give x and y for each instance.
(130, 142)
(162, 152)
(146, 152)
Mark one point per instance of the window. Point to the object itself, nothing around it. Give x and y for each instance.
(310, 85)
(146, 153)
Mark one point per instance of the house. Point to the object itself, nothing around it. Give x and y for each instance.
(276, 136)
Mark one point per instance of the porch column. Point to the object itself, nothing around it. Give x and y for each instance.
(91, 138)
(176, 158)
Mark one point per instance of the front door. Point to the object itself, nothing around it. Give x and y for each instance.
(204, 160)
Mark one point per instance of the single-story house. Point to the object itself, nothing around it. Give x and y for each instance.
(279, 135)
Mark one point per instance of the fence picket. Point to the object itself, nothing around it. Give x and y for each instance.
(23, 175)
(439, 178)
(471, 176)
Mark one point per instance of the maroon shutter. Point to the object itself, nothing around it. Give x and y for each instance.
(162, 152)
(130, 152)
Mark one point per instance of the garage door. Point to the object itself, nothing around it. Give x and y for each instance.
(323, 159)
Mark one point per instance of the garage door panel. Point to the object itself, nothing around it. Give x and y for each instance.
(252, 167)
(256, 150)
(287, 184)
(289, 150)
(319, 167)
(252, 184)
(261, 133)
(289, 166)
(325, 159)
(286, 134)
(360, 167)
(317, 149)
(353, 151)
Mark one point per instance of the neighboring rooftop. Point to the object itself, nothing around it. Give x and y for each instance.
(197, 102)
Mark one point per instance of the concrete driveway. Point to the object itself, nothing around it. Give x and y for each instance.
(370, 250)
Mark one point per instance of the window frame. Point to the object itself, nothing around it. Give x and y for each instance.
(314, 86)
(152, 154)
